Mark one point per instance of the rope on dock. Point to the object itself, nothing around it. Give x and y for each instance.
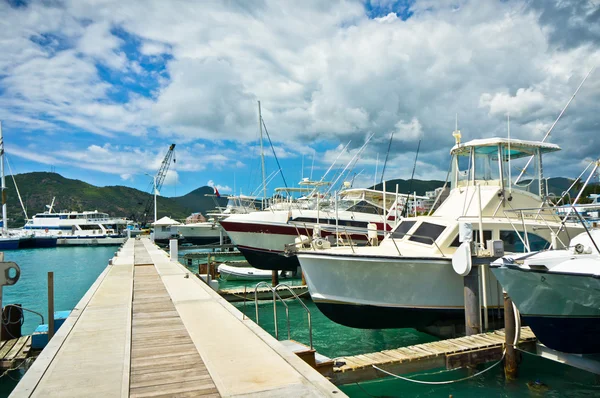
(514, 344)
(441, 382)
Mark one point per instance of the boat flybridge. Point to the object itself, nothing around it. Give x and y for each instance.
(408, 279)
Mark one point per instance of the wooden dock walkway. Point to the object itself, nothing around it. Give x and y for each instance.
(449, 354)
(148, 328)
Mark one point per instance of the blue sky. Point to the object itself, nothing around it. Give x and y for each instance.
(98, 90)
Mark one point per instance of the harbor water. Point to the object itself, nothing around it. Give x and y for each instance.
(76, 268)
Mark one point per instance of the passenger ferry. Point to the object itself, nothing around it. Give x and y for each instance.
(78, 228)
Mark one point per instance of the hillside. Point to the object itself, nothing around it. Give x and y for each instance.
(37, 190)
(556, 185)
(197, 199)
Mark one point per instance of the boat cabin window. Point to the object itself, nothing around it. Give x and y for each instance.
(486, 163)
(513, 244)
(427, 233)
(402, 229)
(365, 207)
(487, 235)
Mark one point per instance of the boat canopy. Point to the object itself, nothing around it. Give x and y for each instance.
(518, 148)
(492, 162)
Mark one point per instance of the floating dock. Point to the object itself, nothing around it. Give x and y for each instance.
(13, 353)
(149, 328)
(262, 293)
(449, 354)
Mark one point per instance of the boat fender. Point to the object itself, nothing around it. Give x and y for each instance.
(46, 230)
(461, 260)
(302, 242)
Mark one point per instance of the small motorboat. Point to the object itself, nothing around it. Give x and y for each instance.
(557, 293)
(233, 273)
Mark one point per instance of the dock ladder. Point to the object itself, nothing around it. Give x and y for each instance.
(277, 297)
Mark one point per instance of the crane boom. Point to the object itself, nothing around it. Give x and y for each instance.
(161, 174)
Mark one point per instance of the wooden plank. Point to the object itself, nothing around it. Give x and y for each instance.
(150, 352)
(173, 389)
(7, 347)
(161, 378)
(25, 350)
(396, 354)
(471, 358)
(161, 374)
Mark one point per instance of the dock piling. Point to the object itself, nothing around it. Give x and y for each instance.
(173, 249)
(472, 307)
(50, 305)
(510, 360)
(274, 278)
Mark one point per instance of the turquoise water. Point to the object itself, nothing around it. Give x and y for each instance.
(75, 269)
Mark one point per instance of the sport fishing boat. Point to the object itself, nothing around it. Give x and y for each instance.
(77, 228)
(262, 236)
(408, 280)
(557, 293)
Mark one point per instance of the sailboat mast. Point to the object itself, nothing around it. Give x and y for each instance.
(262, 156)
(3, 182)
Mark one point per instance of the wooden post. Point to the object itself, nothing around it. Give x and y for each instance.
(472, 308)
(510, 360)
(274, 278)
(50, 305)
(303, 280)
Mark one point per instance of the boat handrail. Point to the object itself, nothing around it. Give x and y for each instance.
(287, 313)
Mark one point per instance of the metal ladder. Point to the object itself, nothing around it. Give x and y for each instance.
(276, 297)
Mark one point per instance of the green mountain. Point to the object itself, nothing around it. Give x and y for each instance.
(197, 199)
(405, 186)
(37, 190)
(556, 185)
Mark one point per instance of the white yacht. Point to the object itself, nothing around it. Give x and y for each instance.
(262, 236)
(78, 228)
(408, 280)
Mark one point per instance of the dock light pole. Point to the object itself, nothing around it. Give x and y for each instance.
(155, 193)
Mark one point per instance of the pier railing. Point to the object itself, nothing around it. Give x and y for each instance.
(276, 297)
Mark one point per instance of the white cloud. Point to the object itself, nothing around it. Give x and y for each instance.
(338, 78)
(220, 188)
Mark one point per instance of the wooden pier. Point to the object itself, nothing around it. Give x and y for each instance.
(14, 352)
(148, 328)
(449, 354)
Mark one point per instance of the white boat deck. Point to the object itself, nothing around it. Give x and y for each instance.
(148, 328)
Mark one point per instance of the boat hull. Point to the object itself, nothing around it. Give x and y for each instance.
(263, 244)
(9, 243)
(562, 309)
(90, 241)
(32, 242)
(230, 273)
(269, 260)
(376, 292)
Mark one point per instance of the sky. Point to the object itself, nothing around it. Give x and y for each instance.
(97, 90)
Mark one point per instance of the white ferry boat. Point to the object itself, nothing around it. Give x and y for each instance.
(78, 228)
